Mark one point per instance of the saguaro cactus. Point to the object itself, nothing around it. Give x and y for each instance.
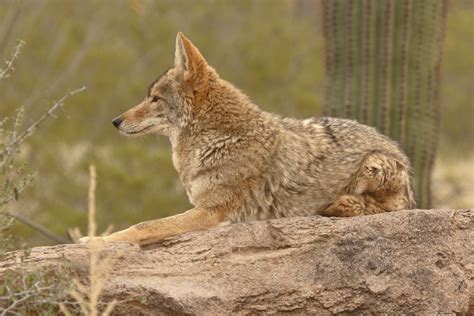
(383, 62)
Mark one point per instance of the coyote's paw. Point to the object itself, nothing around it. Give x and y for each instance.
(100, 241)
(345, 206)
(91, 240)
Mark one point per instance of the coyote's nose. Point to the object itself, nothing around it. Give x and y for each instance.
(117, 122)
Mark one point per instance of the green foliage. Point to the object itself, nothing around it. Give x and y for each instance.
(383, 65)
(13, 177)
(21, 292)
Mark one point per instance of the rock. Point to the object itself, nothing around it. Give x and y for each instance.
(406, 262)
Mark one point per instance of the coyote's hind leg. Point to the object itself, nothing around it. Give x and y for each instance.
(345, 206)
(381, 184)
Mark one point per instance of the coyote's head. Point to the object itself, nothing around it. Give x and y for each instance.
(172, 98)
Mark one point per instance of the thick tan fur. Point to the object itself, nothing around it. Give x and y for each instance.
(240, 163)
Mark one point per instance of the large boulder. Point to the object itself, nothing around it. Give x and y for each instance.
(406, 262)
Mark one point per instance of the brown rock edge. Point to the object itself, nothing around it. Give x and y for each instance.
(405, 262)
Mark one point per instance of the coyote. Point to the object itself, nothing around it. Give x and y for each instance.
(239, 163)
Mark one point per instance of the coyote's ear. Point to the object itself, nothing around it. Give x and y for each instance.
(190, 65)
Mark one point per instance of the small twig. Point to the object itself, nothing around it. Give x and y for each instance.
(9, 63)
(6, 224)
(110, 307)
(43, 230)
(99, 268)
(64, 309)
(27, 132)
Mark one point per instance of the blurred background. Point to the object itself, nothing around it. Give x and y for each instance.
(273, 50)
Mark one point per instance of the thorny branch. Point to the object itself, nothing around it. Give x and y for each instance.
(50, 113)
(19, 297)
(17, 293)
(9, 63)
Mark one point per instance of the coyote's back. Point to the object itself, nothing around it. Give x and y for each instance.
(238, 162)
(329, 166)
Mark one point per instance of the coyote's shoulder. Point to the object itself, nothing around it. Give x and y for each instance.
(238, 162)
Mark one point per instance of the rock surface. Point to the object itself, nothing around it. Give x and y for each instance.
(406, 262)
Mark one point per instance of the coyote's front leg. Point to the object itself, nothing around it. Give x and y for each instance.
(152, 231)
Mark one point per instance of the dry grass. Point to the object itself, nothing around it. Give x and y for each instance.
(87, 296)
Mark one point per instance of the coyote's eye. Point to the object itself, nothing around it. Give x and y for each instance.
(155, 99)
